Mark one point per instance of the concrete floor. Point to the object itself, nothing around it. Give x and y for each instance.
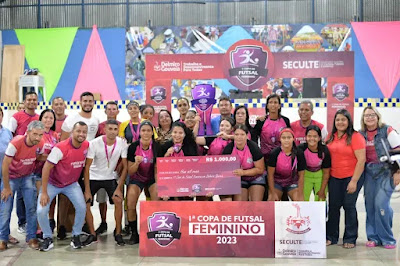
(105, 252)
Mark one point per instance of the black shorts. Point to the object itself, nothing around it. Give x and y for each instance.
(109, 186)
(140, 184)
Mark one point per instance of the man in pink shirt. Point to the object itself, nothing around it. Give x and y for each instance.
(306, 110)
(17, 125)
(58, 105)
(20, 120)
(60, 175)
(18, 167)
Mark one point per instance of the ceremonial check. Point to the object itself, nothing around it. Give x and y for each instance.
(197, 176)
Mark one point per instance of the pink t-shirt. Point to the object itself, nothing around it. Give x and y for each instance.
(145, 172)
(24, 156)
(68, 162)
(300, 131)
(371, 156)
(19, 122)
(269, 138)
(50, 140)
(59, 125)
(101, 130)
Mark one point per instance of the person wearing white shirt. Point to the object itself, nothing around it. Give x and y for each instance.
(102, 159)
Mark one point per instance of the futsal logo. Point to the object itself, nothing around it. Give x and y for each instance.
(298, 224)
(164, 228)
(340, 91)
(158, 94)
(248, 64)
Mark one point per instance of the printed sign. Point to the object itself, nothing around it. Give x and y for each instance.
(300, 230)
(207, 229)
(196, 175)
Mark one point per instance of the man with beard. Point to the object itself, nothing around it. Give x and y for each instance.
(17, 168)
(86, 116)
(60, 175)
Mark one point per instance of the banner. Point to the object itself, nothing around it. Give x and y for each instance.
(197, 175)
(340, 95)
(207, 229)
(300, 230)
(158, 94)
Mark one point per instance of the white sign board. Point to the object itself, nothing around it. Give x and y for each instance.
(300, 230)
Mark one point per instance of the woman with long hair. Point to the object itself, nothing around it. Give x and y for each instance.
(252, 165)
(318, 164)
(183, 106)
(164, 126)
(268, 128)
(347, 148)
(141, 169)
(379, 181)
(286, 165)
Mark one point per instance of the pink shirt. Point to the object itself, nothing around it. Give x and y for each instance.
(300, 131)
(68, 162)
(50, 140)
(24, 156)
(19, 122)
(59, 125)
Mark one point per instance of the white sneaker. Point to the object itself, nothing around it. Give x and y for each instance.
(22, 229)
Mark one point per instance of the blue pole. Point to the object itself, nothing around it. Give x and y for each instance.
(127, 14)
(83, 13)
(218, 13)
(313, 11)
(172, 13)
(39, 15)
(266, 11)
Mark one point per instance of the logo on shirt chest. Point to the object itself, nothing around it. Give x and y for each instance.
(249, 160)
(370, 143)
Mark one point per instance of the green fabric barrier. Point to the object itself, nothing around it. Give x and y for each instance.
(47, 50)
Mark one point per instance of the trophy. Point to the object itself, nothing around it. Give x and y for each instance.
(203, 100)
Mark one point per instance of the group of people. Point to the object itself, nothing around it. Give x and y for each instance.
(78, 157)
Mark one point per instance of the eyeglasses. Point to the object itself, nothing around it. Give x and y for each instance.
(370, 115)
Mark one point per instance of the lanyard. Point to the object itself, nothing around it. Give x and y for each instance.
(135, 134)
(105, 147)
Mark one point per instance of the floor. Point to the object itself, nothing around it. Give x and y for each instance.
(105, 252)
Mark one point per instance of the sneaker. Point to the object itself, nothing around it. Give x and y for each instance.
(3, 245)
(89, 240)
(102, 228)
(120, 241)
(52, 224)
(126, 231)
(33, 243)
(21, 229)
(46, 245)
(62, 232)
(85, 229)
(134, 239)
(76, 242)
(39, 235)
